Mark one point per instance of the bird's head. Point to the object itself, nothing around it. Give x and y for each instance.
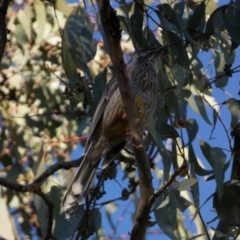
(147, 54)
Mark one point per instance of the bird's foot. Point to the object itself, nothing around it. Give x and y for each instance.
(124, 115)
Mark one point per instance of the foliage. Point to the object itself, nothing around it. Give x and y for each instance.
(54, 71)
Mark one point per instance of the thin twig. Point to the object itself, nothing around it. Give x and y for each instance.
(219, 118)
(35, 186)
(167, 184)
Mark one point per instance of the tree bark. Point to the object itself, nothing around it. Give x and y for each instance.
(112, 30)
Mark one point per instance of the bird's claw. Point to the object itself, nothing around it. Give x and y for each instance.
(124, 115)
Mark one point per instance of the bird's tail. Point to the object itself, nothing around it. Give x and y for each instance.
(79, 186)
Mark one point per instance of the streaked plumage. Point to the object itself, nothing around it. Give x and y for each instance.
(108, 133)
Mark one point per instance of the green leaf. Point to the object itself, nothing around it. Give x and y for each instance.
(196, 18)
(206, 150)
(171, 100)
(20, 35)
(167, 218)
(192, 129)
(178, 75)
(70, 63)
(63, 229)
(149, 38)
(195, 188)
(216, 158)
(231, 20)
(218, 161)
(168, 25)
(202, 109)
(24, 18)
(89, 48)
(15, 171)
(42, 213)
(182, 203)
(170, 13)
(161, 148)
(136, 21)
(168, 131)
(124, 23)
(40, 19)
(226, 166)
(220, 61)
(186, 184)
(62, 6)
(6, 227)
(160, 201)
(179, 9)
(234, 108)
(78, 47)
(192, 157)
(151, 223)
(215, 114)
(39, 165)
(215, 21)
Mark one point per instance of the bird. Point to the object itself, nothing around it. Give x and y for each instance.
(109, 131)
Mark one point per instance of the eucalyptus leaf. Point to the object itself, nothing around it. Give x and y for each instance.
(218, 161)
(202, 109)
(136, 23)
(167, 218)
(186, 184)
(199, 170)
(192, 129)
(231, 20)
(40, 18)
(195, 21)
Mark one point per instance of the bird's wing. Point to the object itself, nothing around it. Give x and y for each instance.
(110, 89)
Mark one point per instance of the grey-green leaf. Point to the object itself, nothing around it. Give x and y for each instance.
(186, 184)
(202, 109)
(192, 129)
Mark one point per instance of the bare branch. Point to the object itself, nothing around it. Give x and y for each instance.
(112, 29)
(35, 187)
(167, 184)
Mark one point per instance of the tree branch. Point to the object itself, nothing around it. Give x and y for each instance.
(35, 187)
(167, 184)
(3, 30)
(112, 30)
